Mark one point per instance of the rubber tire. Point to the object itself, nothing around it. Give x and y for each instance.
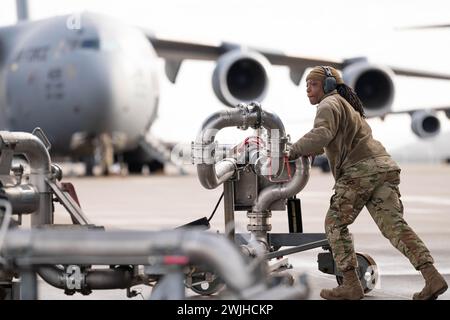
(364, 261)
(155, 166)
(135, 168)
(214, 286)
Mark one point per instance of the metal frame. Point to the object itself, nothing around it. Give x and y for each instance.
(63, 255)
(248, 187)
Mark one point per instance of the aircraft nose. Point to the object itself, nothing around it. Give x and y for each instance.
(115, 94)
(132, 96)
(94, 92)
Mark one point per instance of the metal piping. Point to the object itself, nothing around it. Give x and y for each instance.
(95, 278)
(38, 157)
(272, 121)
(284, 190)
(24, 198)
(211, 175)
(110, 278)
(43, 247)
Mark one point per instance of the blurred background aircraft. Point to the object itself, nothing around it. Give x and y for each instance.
(92, 82)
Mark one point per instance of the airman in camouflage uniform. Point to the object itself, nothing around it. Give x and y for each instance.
(365, 175)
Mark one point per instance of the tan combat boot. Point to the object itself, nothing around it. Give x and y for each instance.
(350, 289)
(435, 284)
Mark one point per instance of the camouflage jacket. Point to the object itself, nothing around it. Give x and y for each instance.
(344, 135)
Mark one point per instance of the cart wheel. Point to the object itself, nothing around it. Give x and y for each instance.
(367, 270)
(206, 288)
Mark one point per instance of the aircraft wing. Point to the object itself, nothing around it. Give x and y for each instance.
(424, 121)
(431, 26)
(420, 74)
(174, 52)
(446, 109)
(240, 76)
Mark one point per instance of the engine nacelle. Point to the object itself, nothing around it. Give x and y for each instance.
(447, 113)
(425, 124)
(241, 76)
(374, 86)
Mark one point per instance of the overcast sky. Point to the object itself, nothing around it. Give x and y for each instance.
(329, 29)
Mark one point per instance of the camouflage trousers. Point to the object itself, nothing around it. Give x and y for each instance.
(379, 192)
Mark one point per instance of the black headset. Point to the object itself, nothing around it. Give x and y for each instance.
(330, 81)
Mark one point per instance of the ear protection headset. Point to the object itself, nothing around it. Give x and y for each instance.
(330, 81)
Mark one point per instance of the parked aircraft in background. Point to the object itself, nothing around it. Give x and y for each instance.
(94, 86)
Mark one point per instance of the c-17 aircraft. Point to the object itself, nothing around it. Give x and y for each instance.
(91, 83)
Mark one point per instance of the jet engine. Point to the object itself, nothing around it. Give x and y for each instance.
(240, 76)
(425, 124)
(447, 113)
(373, 84)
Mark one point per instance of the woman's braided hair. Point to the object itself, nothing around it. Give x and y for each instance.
(348, 94)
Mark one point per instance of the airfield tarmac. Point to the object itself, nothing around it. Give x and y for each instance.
(155, 202)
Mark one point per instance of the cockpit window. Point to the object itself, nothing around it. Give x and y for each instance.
(90, 44)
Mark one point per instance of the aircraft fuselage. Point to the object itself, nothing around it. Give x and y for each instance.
(78, 79)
